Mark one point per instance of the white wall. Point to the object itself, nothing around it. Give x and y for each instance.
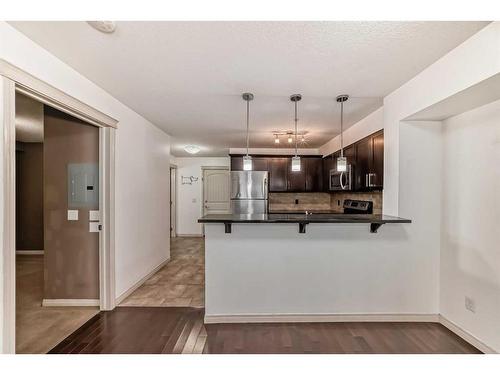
(470, 252)
(363, 128)
(142, 161)
(476, 59)
(189, 197)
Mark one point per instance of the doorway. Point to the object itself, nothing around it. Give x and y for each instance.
(16, 81)
(57, 213)
(173, 201)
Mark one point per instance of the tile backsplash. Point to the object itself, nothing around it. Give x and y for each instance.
(306, 201)
(321, 201)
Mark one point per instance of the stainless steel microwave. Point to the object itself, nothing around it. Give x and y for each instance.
(341, 180)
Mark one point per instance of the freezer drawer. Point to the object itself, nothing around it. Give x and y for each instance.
(249, 206)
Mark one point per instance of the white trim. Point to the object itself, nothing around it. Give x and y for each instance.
(29, 252)
(134, 287)
(69, 302)
(8, 175)
(470, 338)
(189, 235)
(107, 209)
(48, 94)
(319, 318)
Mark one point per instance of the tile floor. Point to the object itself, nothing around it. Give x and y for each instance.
(39, 329)
(180, 283)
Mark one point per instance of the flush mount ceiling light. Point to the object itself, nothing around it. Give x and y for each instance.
(192, 149)
(341, 160)
(296, 159)
(247, 159)
(106, 27)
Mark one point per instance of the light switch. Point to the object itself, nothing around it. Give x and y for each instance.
(94, 215)
(72, 215)
(94, 226)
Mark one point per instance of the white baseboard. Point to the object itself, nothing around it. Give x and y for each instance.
(471, 339)
(29, 252)
(69, 302)
(319, 318)
(132, 289)
(189, 235)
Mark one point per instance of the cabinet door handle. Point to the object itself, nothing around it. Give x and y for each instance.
(366, 180)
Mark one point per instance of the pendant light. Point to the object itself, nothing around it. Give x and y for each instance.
(296, 159)
(247, 159)
(341, 160)
(276, 139)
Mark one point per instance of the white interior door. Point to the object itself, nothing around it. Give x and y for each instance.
(216, 191)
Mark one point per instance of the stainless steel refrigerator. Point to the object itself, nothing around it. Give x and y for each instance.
(249, 192)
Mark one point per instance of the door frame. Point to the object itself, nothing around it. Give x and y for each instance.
(14, 79)
(173, 201)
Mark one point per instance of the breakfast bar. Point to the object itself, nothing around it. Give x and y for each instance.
(288, 273)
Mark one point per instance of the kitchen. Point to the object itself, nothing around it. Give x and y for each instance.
(365, 204)
(281, 205)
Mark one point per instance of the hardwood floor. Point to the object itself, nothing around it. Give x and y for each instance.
(181, 282)
(38, 328)
(181, 330)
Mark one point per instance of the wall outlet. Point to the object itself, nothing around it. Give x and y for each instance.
(296, 201)
(193, 200)
(338, 202)
(469, 304)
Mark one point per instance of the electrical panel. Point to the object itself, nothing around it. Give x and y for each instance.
(83, 185)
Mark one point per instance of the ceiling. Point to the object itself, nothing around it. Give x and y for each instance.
(187, 77)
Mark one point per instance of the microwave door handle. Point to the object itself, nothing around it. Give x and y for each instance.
(341, 181)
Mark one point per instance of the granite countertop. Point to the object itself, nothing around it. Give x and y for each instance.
(302, 218)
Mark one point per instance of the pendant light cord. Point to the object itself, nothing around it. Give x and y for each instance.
(248, 120)
(296, 128)
(342, 129)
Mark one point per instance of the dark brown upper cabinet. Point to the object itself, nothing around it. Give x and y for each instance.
(281, 177)
(314, 174)
(296, 179)
(278, 174)
(258, 163)
(366, 158)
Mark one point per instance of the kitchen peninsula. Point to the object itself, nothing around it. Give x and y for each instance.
(270, 268)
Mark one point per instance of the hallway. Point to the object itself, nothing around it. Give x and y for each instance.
(180, 283)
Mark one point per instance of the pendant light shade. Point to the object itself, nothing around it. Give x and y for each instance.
(341, 160)
(247, 159)
(296, 159)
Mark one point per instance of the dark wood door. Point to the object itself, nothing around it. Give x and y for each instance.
(259, 163)
(377, 170)
(236, 163)
(277, 174)
(364, 157)
(296, 180)
(314, 174)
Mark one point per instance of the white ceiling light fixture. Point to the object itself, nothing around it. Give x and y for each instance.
(192, 149)
(106, 27)
(276, 139)
(341, 160)
(290, 139)
(247, 159)
(296, 159)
